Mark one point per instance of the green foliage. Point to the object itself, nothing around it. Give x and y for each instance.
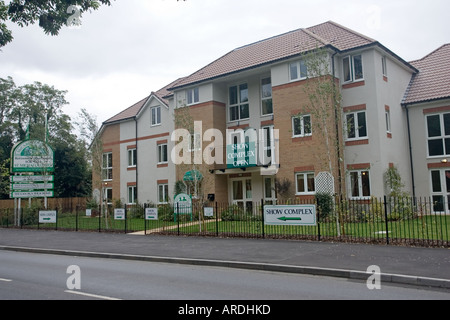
(325, 204)
(52, 15)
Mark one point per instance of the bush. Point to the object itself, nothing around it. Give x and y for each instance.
(325, 204)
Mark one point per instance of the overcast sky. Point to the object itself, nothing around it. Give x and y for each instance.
(120, 54)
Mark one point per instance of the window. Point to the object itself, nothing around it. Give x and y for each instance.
(266, 96)
(156, 116)
(360, 184)
(132, 194)
(269, 191)
(107, 166)
(196, 142)
(438, 131)
(305, 183)
(440, 190)
(238, 102)
(268, 144)
(353, 68)
(163, 193)
(356, 125)
(298, 70)
(301, 126)
(162, 153)
(384, 66)
(193, 96)
(108, 195)
(388, 121)
(132, 158)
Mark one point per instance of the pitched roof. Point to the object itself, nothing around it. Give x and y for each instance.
(432, 82)
(134, 110)
(279, 47)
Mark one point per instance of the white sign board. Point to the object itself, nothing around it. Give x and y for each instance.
(32, 186)
(47, 216)
(32, 178)
(151, 213)
(32, 194)
(88, 212)
(208, 211)
(294, 215)
(119, 214)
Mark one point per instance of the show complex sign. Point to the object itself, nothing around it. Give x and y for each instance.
(32, 162)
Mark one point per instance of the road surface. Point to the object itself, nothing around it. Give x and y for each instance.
(50, 277)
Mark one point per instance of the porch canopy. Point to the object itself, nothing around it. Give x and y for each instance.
(193, 175)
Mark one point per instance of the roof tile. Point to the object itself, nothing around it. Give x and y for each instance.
(433, 80)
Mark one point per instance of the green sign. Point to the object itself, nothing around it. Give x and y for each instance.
(182, 205)
(241, 155)
(32, 156)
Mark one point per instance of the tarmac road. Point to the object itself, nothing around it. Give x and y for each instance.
(428, 267)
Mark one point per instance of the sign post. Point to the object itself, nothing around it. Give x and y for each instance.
(295, 215)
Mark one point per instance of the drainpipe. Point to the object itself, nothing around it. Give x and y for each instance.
(410, 152)
(137, 158)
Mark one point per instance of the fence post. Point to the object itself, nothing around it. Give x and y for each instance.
(99, 218)
(217, 221)
(386, 219)
(145, 220)
(262, 219)
(177, 215)
(76, 218)
(125, 210)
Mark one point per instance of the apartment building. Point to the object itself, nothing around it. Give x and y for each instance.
(252, 111)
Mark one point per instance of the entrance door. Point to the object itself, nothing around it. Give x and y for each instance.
(440, 188)
(242, 193)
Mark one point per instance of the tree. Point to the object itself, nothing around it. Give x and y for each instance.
(24, 113)
(52, 15)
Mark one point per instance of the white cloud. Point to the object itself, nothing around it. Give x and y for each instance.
(123, 52)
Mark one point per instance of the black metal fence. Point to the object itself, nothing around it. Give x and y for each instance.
(400, 221)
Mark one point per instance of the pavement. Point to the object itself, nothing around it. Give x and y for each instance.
(429, 267)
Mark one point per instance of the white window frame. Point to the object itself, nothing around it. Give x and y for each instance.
(443, 192)
(195, 143)
(303, 132)
(268, 98)
(161, 148)
(357, 126)
(267, 142)
(388, 121)
(132, 194)
(107, 168)
(132, 158)
(298, 67)
(351, 59)
(105, 195)
(155, 116)
(441, 137)
(384, 66)
(360, 174)
(306, 191)
(239, 103)
(163, 190)
(272, 199)
(193, 96)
